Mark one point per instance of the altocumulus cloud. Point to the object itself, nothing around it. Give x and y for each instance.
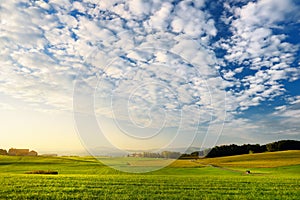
(163, 59)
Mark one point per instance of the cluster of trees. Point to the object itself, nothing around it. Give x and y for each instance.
(170, 154)
(230, 150)
(233, 149)
(164, 154)
(283, 145)
(3, 152)
(195, 154)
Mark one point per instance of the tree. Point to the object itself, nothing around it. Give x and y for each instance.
(232, 149)
(170, 154)
(3, 152)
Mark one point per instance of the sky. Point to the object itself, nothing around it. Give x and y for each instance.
(148, 75)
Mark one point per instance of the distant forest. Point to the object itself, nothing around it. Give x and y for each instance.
(233, 149)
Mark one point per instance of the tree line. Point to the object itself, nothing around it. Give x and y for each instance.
(233, 149)
(164, 154)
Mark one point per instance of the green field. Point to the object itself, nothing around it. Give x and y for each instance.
(273, 176)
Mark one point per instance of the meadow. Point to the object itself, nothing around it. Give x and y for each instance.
(273, 175)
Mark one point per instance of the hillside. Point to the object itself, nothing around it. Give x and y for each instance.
(89, 165)
(258, 160)
(273, 175)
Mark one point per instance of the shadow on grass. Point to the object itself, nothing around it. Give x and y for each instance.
(42, 172)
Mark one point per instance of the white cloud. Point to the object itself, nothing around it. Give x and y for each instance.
(140, 7)
(255, 45)
(127, 44)
(160, 19)
(294, 100)
(286, 117)
(5, 106)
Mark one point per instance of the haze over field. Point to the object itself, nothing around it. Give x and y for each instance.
(146, 75)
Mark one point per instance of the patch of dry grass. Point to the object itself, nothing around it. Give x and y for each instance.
(259, 160)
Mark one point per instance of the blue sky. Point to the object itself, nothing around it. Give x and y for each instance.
(148, 74)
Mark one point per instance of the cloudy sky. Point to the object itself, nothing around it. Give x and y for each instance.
(151, 74)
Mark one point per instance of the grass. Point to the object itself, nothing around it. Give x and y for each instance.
(259, 160)
(217, 178)
(147, 187)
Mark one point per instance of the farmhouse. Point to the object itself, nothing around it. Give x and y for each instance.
(21, 152)
(18, 152)
(32, 153)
